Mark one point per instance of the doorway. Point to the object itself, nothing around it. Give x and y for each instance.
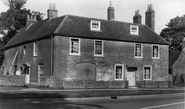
(40, 72)
(131, 79)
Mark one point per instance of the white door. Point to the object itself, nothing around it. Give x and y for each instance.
(27, 76)
(40, 72)
(131, 78)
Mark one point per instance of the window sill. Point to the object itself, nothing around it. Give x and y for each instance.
(73, 54)
(147, 79)
(96, 30)
(155, 58)
(138, 57)
(99, 55)
(118, 79)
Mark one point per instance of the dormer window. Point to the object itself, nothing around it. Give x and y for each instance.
(134, 30)
(95, 25)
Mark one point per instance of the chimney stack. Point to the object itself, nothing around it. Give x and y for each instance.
(137, 17)
(150, 17)
(30, 20)
(110, 11)
(52, 12)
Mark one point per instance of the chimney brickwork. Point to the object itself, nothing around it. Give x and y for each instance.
(110, 11)
(150, 17)
(137, 17)
(30, 20)
(52, 12)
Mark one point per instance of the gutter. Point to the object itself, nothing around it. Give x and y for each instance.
(52, 53)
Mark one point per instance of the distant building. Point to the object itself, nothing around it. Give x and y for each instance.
(80, 48)
(177, 65)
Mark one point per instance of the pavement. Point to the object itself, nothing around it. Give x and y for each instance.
(43, 93)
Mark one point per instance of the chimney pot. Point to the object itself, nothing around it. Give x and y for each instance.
(54, 6)
(151, 7)
(138, 13)
(35, 18)
(137, 17)
(52, 12)
(110, 11)
(30, 20)
(150, 17)
(111, 4)
(50, 6)
(28, 17)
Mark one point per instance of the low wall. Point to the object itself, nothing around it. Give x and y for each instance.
(12, 80)
(154, 84)
(55, 82)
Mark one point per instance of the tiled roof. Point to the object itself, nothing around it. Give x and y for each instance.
(75, 26)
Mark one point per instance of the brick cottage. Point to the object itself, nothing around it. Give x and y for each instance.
(74, 48)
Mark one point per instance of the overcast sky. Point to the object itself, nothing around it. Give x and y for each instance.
(124, 9)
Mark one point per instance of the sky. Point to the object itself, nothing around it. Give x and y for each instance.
(124, 9)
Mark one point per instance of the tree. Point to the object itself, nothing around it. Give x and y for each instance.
(175, 32)
(13, 20)
(15, 4)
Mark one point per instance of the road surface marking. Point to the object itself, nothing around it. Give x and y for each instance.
(162, 105)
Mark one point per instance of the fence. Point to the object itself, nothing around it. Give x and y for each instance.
(154, 84)
(85, 84)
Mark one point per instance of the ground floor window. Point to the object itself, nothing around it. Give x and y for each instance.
(147, 72)
(119, 69)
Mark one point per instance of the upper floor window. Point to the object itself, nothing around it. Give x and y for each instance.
(98, 48)
(24, 50)
(74, 46)
(138, 51)
(119, 68)
(134, 30)
(147, 72)
(35, 49)
(155, 51)
(95, 25)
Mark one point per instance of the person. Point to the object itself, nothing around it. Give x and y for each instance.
(7, 72)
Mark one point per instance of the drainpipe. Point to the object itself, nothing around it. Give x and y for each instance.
(52, 52)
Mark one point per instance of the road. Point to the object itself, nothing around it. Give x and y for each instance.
(169, 101)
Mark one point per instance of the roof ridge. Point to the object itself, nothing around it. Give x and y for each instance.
(61, 24)
(103, 19)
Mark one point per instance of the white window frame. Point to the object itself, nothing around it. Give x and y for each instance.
(70, 53)
(134, 32)
(135, 51)
(153, 52)
(24, 50)
(150, 72)
(121, 72)
(102, 48)
(98, 28)
(35, 49)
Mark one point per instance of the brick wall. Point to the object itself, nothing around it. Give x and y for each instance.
(114, 53)
(12, 80)
(44, 57)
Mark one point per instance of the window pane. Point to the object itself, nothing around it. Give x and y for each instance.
(155, 51)
(119, 72)
(98, 48)
(147, 72)
(138, 50)
(74, 45)
(95, 25)
(35, 49)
